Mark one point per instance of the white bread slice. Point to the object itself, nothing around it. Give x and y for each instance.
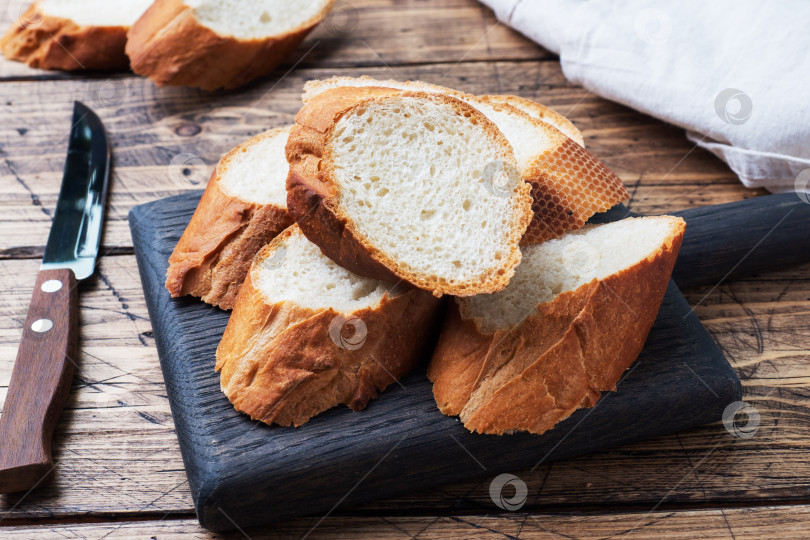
(408, 185)
(532, 108)
(574, 317)
(244, 207)
(307, 335)
(542, 113)
(215, 44)
(569, 185)
(73, 34)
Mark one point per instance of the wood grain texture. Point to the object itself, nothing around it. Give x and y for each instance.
(755, 235)
(115, 447)
(735, 523)
(40, 382)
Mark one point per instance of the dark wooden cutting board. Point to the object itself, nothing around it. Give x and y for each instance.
(243, 472)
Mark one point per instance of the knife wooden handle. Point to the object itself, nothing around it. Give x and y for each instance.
(40, 382)
(725, 241)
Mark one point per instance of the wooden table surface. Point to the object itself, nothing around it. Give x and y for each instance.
(119, 471)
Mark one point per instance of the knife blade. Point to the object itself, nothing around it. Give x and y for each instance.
(43, 371)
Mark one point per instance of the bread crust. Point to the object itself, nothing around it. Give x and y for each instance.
(280, 364)
(542, 113)
(213, 256)
(568, 184)
(170, 46)
(313, 201)
(558, 359)
(47, 42)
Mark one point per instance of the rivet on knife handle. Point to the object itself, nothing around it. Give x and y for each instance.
(40, 382)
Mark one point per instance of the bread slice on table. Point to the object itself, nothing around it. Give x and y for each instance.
(243, 208)
(569, 185)
(573, 319)
(411, 186)
(73, 34)
(215, 44)
(307, 335)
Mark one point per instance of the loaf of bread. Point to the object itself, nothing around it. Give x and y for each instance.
(73, 34)
(573, 319)
(243, 208)
(307, 335)
(568, 184)
(214, 44)
(412, 186)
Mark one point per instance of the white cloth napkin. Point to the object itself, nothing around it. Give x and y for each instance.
(734, 73)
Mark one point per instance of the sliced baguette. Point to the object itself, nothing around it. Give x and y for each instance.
(73, 34)
(574, 317)
(408, 186)
(532, 108)
(215, 44)
(244, 207)
(569, 185)
(542, 113)
(307, 335)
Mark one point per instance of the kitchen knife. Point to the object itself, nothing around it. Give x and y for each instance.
(40, 381)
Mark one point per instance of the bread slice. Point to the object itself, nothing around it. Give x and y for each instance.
(531, 108)
(243, 207)
(73, 34)
(307, 335)
(574, 317)
(408, 185)
(569, 185)
(542, 113)
(215, 44)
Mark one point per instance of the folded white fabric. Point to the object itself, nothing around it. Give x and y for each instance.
(734, 73)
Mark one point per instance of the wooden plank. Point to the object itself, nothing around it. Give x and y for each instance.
(364, 33)
(151, 127)
(118, 409)
(372, 33)
(740, 522)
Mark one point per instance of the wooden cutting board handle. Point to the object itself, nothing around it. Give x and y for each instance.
(40, 382)
(754, 235)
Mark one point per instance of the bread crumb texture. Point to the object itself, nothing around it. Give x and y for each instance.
(427, 184)
(255, 19)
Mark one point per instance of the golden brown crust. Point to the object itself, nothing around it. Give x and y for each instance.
(569, 186)
(171, 47)
(47, 42)
(282, 363)
(557, 360)
(214, 254)
(313, 201)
